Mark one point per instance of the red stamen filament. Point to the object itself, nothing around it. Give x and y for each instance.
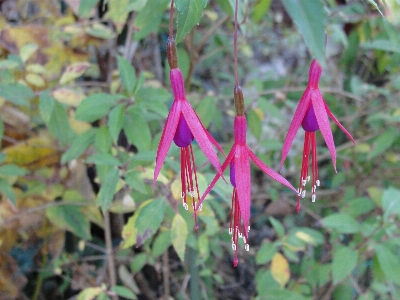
(309, 142)
(188, 170)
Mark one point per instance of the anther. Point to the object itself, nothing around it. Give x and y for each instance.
(200, 207)
(233, 247)
(185, 205)
(303, 182)
(230, 230)
(303, 194)
(308, 178)
(247, 247)
(182, 195)
(248, 228)
(191, 193)
(313, 198)
(240, 235)
(317, 182)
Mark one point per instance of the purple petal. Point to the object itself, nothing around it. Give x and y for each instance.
(323, 122)
(232, 174)
(271, 173)
(200, 135)
(183, 136)
(295, 124)
(167, 136)
(243, 182)
(338, 123)
(310, 123)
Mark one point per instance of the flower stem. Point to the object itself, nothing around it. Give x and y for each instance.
(235, 55)
(171, 16)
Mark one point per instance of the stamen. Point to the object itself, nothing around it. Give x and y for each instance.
(303, 194)
(308, 178)
(191, 193)
(304, 182)
(247, 247)
(317, 182)
(233, 247)
(185, 205)
(240, 235)
(313, 198)
(230, 231)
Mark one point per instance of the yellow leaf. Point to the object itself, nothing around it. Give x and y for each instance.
(74, 71)
(35, 68)
(259, 113)
(27, 51)
(35, 80)
(305, 237)
(90, 293)
(68, 96)
(280, 269)
(179, 233)
(77, 126)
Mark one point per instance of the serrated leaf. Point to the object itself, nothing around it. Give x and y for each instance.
(280, 269)
(179, 233)
(127, 74)
(70, 217)
(7, 190)
(86, 7)
(309, 18)
(74, 71)
(341, 222)
(79, 145)
(343, 263)
(96, 106)
(115, 120)
(189, 14)
(123, 292)
(107, 190)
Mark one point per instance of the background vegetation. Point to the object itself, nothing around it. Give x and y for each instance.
(84, 93)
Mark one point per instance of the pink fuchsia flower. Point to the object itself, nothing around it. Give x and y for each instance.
(240, 177)
(312, 114)
(183, 126)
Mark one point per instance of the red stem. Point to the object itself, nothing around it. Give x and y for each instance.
(171, 16)
(235, 45)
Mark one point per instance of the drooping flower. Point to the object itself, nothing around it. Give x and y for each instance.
(240, 177)
(183, 126)
(312, 114)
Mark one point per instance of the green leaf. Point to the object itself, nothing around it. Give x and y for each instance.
(12, 170)
(46, 106)
(123, 292)
(265, 253)
(254, 123)
(206, 110)
(135, 181)
(309, 18)
(27, 51)
(16, 93)
(103, 159)
(118, 13)
(70, 217)
(79, 145)
(138, 262)
(149, 18)
(373, 3)
(390, 202)
(384, 142)
(96, 106)
(86, 7)
(58, 123)
(115, 120)
(1, 128)
(127, 73)
(7, 190)
(260, 9)
(279, 229)
(102, 141)
(388, 262)
(107, 190)
(341, 222)
(189, 14)
(179, 233)
(343, 263)
(204, 247)
(137, 130)
(161, 243)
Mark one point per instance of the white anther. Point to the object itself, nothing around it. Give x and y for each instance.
(185, 206)
(240, 235)
(244, 239)
(247, 247)
(233, 247)
(248, 228)
(182, 195)
(303, 194)
(317, 182)
(298, 191)
(230, 230)
(200, 207)
(308, 178)
(303, 182)
(191, 193)
(313, 198)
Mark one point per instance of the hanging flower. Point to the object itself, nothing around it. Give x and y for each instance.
(183, 126)
(239, 161)
(312, 114)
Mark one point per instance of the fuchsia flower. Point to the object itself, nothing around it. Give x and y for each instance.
(240, 178)
(183, 126)
(312, 113)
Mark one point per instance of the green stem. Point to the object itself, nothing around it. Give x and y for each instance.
(194, 275)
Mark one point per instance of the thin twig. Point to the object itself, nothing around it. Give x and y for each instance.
(110, 252)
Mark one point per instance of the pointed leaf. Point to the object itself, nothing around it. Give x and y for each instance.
(189, 15)
(127, 73)
(115, 121)
(7, 190)
(179, 233)
(74, 71)
(16, 93)
(96, 106)
(79, 145)
(343, 263)
(388, 262)
(343, 223)
(309, 17)
(108, 189)
(280, 269)
(86, 7)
